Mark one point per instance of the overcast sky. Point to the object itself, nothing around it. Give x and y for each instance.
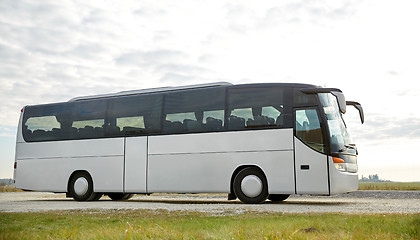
(51, 51)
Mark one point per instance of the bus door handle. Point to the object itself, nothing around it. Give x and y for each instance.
(304, 167)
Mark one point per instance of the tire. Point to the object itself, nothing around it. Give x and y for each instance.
(278, 197)
(250, 185)
(120, 196)
(81, 187)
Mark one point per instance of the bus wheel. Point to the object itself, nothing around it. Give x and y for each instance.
(250, 185)
(120, 196)
(81, 187)
(278, 197)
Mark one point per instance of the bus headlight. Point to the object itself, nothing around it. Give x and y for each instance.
(339, 164)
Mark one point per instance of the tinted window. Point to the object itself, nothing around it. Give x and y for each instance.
(199, 110)
(64, 121)
(302, 99)
(88, 117)
(124, 116)
(45, 123)
(134, 115)
(40, 123)
(250, 108)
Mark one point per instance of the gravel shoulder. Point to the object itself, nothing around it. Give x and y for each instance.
(361, 202)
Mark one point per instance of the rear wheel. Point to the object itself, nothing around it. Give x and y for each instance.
(250, 185)
(120, 196)
(278, 197)
(81, 187)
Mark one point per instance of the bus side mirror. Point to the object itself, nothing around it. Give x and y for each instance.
(358, 106)
(341, 100)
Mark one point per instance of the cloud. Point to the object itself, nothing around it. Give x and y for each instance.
(413, 92)
(87, 50)
(400, 128)
(180, 68)
(244, 17)
(149, 11)
(12, 55)
(312, 12)
(174, 79)
(163, 35)
(150, 58)
(240, 18)
(6, 131)
(392, 72)
(379, 127)
(38, 27)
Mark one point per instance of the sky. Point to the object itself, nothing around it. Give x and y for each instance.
(52, 51)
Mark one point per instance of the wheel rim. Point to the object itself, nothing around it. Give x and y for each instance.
(81, 186)
(251, 186)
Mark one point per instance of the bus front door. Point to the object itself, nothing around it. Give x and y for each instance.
(311, 164)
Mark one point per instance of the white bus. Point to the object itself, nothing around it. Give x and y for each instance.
(251, 141)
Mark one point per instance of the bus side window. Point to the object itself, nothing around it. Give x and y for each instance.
(197, 110)
(252, 108)
(308, 129)
(131, 125)
(88, 117)
(181, 122)
(213, 120)
(42, 128)
(134, 115)
(238, 117)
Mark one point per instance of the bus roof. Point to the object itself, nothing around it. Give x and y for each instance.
(196, 86)
(151, 90)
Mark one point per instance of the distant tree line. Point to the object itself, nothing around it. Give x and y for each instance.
(372, 178)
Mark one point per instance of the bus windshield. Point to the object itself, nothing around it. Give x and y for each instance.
(339, 136)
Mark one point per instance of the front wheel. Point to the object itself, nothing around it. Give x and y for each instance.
(250, 185)
(81, 187)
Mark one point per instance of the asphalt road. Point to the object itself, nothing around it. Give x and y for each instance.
(217, 204)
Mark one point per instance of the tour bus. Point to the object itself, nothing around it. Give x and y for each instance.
(250, 141)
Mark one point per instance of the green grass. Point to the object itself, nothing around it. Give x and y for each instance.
(404, 186)
(161, 224)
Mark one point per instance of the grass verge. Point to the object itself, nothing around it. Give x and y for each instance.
(161, 224)
(9, 189)
(402, 186)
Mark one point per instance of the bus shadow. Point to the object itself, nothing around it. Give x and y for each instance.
(323, 203)
(206, 202)
(237, 202)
